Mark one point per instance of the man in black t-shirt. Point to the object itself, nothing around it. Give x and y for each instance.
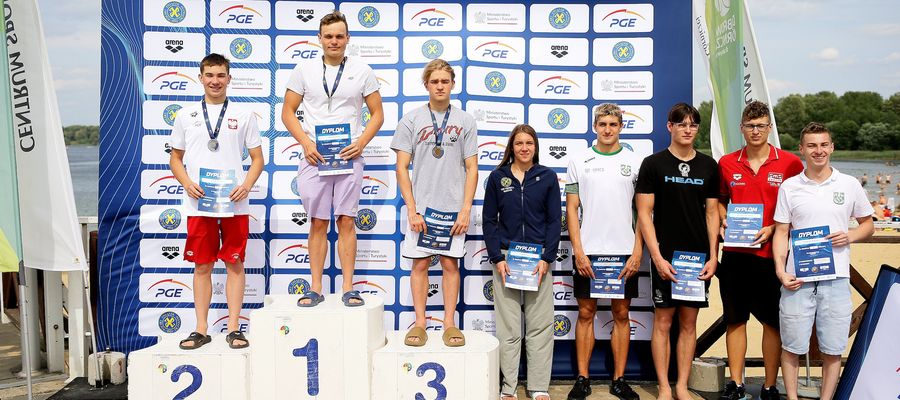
(677, 206)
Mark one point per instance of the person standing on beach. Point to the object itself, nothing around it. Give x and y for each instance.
(747, 280)
(819, 197)
(330, 92)
(209, 138)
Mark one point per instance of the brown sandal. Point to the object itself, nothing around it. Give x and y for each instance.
(453, 333)
(416, 333)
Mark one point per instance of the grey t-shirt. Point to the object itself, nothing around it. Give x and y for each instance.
(438, 183)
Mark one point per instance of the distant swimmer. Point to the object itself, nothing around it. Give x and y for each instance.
(864, 179)
(878, 179)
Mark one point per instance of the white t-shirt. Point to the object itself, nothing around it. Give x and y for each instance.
(239, 131)
(805, 203)
(357, 81)
(606, 193)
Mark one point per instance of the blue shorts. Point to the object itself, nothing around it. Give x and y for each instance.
(828, 304)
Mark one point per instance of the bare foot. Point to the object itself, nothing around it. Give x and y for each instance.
(665, 393)
(682, 393)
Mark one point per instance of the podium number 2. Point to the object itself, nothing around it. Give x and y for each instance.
(311, 352)
(195, 383)
(439, 375)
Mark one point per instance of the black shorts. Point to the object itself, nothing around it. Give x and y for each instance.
(748, 285)
(582, 286)
(661, 292)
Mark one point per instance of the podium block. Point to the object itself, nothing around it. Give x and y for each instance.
(435, 371)
(322, 352)
(164, 371)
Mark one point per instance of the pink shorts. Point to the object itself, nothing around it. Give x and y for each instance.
(319, 194)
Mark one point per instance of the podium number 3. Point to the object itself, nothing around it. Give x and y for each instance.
(311, 352)
(195, 383)
(439, 375)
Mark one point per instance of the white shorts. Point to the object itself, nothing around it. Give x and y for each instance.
(409, 249)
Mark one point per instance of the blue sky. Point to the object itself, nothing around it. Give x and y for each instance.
(806, 46)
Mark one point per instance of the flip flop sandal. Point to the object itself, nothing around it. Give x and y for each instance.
(236, 335)
(198, 340)
(352, 295)
(535, 395)
(313, 297)
(416, 333)
(453, 333)
(507, 396)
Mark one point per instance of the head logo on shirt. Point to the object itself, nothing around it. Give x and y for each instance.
(505, 181)
(684, 168)
(838, 198)
(737, 177)
(625, 169)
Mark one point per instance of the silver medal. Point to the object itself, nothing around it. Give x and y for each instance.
(213, 145)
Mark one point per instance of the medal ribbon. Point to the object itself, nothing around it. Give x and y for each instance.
(439, 133)
(337, 79)
(213, 134)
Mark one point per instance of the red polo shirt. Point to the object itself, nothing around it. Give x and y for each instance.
(740, 185)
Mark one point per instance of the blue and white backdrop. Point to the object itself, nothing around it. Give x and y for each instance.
(546, 64)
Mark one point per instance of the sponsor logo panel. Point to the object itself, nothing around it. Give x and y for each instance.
(432, 17)
(155, 149)
(181, 13)
(558, 85)
(478, 290)
(641, 147)
(495, 82)
(559, 18)
(160, 184)
(163, 219)
(558, 51)
(291, 49)
(483, 176)
(284, 185)
(379, 152)
(247, 82)
(555, 152)
(300, 15)
(495, 17)
(376, 219)
(490, 150)
(163, 253)
(477, 258)
(641, 325)
(289, 218)
(623, 52)
(564, 325)
(377, 285)
(433, 319)
(374, 255)
(389, 82)
(480, 320)
(154, 322)
(379, 185)
(623, 18)
(281, 79)
(174, 46)
(375, 50)
(616, 85)
(288, 151)
(381, 17)
(246, 14)
(563, 291)
(282, 283)
(423, 49)
(289, 253)
(496, 116)
(264, 147)
(413, 86)
(559, 118)
(176, 81)
(178, 288)
(161, 114)
(495, 49)
(635, 119)
(435, 291)
(242, 48)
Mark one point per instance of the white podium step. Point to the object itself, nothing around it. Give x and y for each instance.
(435, 371)
(322, 352)
(164, 371)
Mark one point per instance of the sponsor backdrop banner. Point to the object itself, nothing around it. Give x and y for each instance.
(545, 64)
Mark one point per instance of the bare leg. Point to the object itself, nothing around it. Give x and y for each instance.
(418, 286)
(659, 344)
(584, 334)
(736, 346)
(771, 348)
(234, 295)
(831, 370)
(318, 249)
(790, 366)
(346, 249)
(687, 342)
(621, 336)
(450, 283)
(202, 297)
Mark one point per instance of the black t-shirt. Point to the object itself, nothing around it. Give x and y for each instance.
(680, 190)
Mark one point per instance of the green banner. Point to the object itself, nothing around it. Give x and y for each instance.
(10, 228)
(724, 19)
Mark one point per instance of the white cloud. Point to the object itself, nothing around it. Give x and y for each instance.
(827, 54)
(781, 86)
(895, 56)
(889, 29)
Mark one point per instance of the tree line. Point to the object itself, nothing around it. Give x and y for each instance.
(857, 120)
(82, 134)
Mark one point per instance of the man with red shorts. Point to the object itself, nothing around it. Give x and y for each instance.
(747, 281)
(208, 141)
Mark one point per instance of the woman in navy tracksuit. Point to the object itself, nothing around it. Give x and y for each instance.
(522, 204)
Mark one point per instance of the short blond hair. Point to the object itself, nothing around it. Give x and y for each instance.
(437, 64)
(607, 109)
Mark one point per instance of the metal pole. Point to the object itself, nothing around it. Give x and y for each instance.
(26, 345)
(808, 383)
(86, 290)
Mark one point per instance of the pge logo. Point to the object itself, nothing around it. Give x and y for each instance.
(240, 48)
(488, 290)
(495, 49)
(365, 116)
(491, 151)
(558, 85)
(481, 256)
(168, 184)
(623, 52)
(368, 16)
(633, 326)
(291, 257)
(561, 325)
(495, 81)
(296, 153)
(373, 186)
(173, 80)
(558, 152)
(558, 118)
(628, 123)
(304, 50)
(298, 286)
(221, 324)
(169, 114)
(170, 219)
(562, 291)
(432, 49)
(174, 12)
(431, 17)
(171, 292)
(370, 287)
(366, 219)
(169, 322)
(622, 18)
(560, 18)
(239, 17)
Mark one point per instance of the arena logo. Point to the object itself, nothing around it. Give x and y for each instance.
(169, 322)
(167, 291)
(558, 118)
(558, 152)
(369, 287)
(559, 18)
(558, 85)
(633, 325)
(366, 219)
(562, 325)
(169, 114)
(622, 18)
(559, 50)
(563, 291)
(374, 187)
(174, 12)
(495, 49)
(298, 286)
(174, 45)
(170, 252)
(238, 17)
(488, 290)
(368, 16)
(433, 289)
(623, 51)
(305, 15)
(173, 80)
(303, 49)
(299, 218)
(562, 254)
(290, 257)
(170, 219)
(240, 48)
(221, 324)
(431, 17)
(495, 81)
(432, 48)
(491, 151)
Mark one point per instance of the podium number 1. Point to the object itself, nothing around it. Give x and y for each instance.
(311, 352)
(439, 375)
(195, 383)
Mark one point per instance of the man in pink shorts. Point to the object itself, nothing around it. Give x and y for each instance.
(330, 92)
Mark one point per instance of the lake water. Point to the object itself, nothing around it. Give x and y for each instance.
(84, 162)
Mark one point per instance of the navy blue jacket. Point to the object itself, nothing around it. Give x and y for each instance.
(527, 213)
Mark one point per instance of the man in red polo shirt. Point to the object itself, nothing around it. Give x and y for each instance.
(747, 281)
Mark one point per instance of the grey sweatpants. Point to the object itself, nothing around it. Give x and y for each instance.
(538, 332)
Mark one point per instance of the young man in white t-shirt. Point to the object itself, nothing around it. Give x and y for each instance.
(329, 91)
(820, 196)
(208, 141)
(601, 180)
